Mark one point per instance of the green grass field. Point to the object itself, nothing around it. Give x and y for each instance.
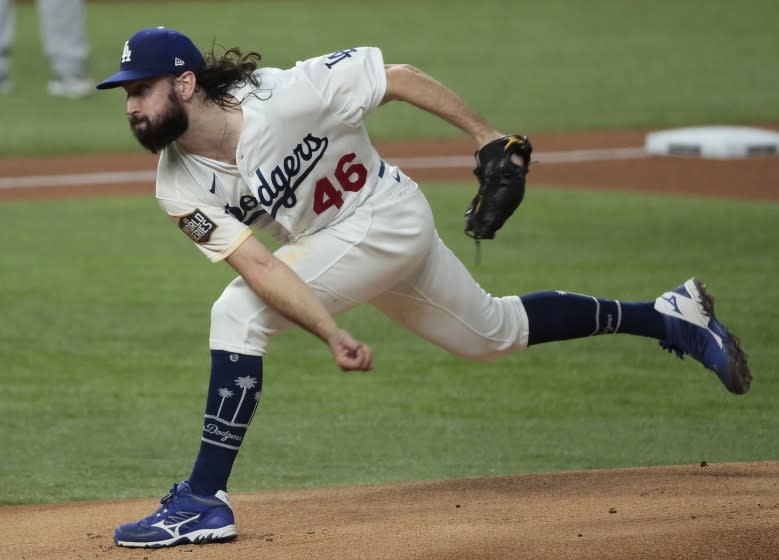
(105, 355)
(104, 330)
(539, 65)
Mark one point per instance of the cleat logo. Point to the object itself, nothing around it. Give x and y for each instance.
(672, 300)
(174, 529)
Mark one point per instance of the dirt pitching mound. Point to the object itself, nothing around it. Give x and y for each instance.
(681, 512)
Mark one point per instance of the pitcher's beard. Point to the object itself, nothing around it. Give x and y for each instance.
(167, 127)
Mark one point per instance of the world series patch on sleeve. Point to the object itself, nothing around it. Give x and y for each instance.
(197, 226)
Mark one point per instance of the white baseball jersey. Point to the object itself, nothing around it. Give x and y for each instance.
(304, 159)
(353, 228)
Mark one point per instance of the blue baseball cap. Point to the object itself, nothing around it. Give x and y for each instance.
(153, 52)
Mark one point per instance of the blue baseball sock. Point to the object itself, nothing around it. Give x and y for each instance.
(565, 315)
(233, 396)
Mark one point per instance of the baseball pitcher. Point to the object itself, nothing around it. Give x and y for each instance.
(286, 151)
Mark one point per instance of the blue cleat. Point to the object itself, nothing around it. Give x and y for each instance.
(183, 518)
(692, 328)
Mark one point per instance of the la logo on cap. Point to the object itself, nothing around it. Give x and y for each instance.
(126, 53)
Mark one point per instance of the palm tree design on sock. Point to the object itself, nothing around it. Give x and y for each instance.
(225, 393)
(244, 383)
(256, 404)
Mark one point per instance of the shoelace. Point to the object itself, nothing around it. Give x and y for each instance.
(165, 500)
(171, 495)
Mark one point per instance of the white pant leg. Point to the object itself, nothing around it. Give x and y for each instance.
(443, 304)
(64, 37)
(346, 264)
(6, 35)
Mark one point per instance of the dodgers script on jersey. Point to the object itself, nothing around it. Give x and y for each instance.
(304, 160)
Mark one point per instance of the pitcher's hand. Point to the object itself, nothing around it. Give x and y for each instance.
(350, 354)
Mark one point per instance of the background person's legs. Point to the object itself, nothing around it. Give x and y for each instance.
(6, 40)
(65, 44)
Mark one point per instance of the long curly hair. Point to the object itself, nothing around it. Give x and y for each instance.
(222, 72)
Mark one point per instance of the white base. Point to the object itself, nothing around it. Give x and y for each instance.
(713, 142)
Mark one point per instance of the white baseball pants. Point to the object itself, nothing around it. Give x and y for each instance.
(388, 255)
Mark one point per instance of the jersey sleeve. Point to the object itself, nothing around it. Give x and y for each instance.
(214, 232)
(183, 194)
(350, 82)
